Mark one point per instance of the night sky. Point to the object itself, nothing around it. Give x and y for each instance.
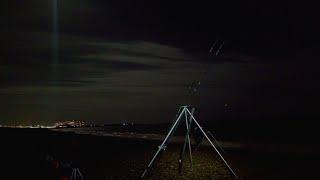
(115, 61)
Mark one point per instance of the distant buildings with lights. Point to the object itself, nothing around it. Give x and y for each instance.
(70, 123)
(62, 124)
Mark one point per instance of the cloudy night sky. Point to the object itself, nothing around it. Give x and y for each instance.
(112, 61)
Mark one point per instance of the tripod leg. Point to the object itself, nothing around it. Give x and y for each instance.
(182, 154)
(225, 162)
(186, 139)
(188, 136)
(80, 174)
(162, 146)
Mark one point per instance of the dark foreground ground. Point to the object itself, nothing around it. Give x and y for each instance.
(33, 153)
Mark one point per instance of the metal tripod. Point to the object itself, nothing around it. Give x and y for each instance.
(184, 111)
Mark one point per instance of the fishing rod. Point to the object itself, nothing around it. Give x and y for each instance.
(215, 50)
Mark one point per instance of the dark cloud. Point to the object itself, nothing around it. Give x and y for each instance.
(91, 71)
(31, 62)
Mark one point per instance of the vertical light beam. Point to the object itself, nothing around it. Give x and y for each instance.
(55, 34)
(55, 59)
